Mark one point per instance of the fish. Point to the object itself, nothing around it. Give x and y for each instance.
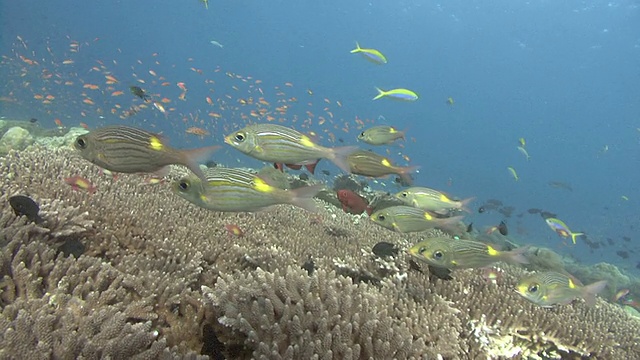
(368, 163)
(522, 142)
(432, 200)
(206, 4)
(406, 219)
(280, 144)
(513, 172)
(213, 42)
(560, 185)
(234, 230)
(372, 55)
(464, 254)
(25, 206)
(78, 183)
(450, 101)
(236, 190)
(137, 91)
(562, 229)
(502, 229)
(551, 288)
(127, 149)
(397, 94)
(524, 152)
(353, 203)
(381, 135)
(384, 249)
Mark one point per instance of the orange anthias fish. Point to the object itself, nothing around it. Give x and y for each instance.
(79, 183)
(234, 230)
(197, 131)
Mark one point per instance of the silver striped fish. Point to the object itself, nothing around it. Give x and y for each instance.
(552, 288)
(127, 149)
(406, 219)
(381, 135)
(368, 163)
(280, 144)
(236, 190)
(464, 254)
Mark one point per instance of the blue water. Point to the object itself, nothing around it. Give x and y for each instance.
(563, 75)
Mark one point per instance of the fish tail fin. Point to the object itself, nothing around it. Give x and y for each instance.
(405, 173)
(357, 49)
(192, 159)
(517, 256)
(312, 167)
(574, 235)
(303, 197)
(339, 156)
(589, 292)
(450, 223)
(381, 93)
(464, 204)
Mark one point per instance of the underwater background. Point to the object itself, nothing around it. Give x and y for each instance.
(531, 108)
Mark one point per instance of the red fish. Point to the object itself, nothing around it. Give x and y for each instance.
(352, 203)
(79, 183)
(310, 167)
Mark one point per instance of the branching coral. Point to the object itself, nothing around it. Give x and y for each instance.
(157, 277)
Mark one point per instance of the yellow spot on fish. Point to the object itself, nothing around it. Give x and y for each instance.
(572, 285)
(386, 163)
(492, 252)
(393, 130)
(444, 198)
(203, 197)
(155, 143)
(262, 186)
(427, 216)
(453, 262)
(305, 141)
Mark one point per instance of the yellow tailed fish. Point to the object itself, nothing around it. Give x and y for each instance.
(372, 55)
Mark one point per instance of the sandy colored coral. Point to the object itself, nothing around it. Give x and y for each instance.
(155, 275)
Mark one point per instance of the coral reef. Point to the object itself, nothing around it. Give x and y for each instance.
(151, 276)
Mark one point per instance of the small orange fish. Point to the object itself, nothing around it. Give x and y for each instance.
(234, 230)
(79, 183)
(88, 101)
(117, 93)
(68, 62)
(83, 125)
(197, 131)
(58, 122)
(182, 86)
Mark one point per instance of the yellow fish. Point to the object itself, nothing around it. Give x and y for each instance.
(522, 142)
(397, 94)
(372, 55)
(513, 172)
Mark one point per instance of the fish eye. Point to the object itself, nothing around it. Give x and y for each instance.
(533, 288)
(404, 194)
(381, 217)
(81, 143)
(184, 185)
(362, 134)
(422, 250)
(239, 137)
(438, 254)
